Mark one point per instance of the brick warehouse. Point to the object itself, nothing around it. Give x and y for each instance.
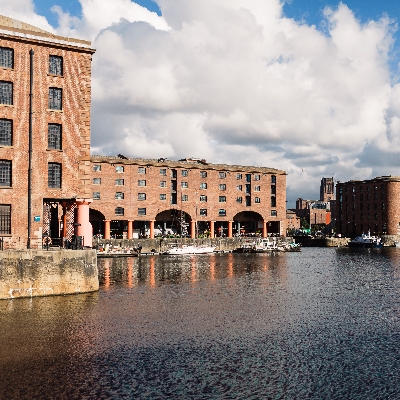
(55, 114)
(133, 195)
(369, 205)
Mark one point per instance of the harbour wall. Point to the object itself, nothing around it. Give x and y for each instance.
(30, 273)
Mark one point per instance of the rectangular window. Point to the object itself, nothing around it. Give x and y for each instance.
(248, 188)
(184, 172)
(5, 173)
(248, 201)
(5, 219)
(257, 177)
(184, 185)
(163, 183)
(163, 196)
(273, 201)
(96, 181)
(54, 136)
(141, 196)
(96, 195)
(222, 175)
(141, 182)
(6, 92)
(119, 182)
(55, 65)
(141, 211)
(203, 174)
(273, 189)
(55, 98)
(203, 212)
(273, 213)
(185, 197)
(203, 185)
(222, 212)
(54, 175)
(239, 176)
(222, 199)
(173, 173)
(119, 196)
(6, 57)
(248, 177)
(222, 186)
(141, 170)
(174, 198)
(163, 171)
(203, 198)
(5, 132)
(239, 200)
(119, 211)
(239, 187)
(119, 168)
(96, 168)
(273, 179)
(257, 189)
(257, 200)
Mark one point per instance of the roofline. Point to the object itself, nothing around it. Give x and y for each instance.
(198, 164)
(388, 178)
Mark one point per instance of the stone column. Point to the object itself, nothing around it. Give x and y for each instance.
(265, 233)
(212, 229)
(152, 229)
(192, 229)
(230, 223)
(85, 228)
(130, 229)
(107, 229)
(64, 221)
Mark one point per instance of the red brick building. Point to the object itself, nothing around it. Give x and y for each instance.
(370, 205)
(45, 94)
(137, 196)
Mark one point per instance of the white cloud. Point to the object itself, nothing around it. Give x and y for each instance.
(235, 81)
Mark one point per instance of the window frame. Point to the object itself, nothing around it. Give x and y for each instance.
(6, 98)
(3, 134)
(54, 178)
(59, 69)
(54, 137)
(55, 102)
(10, 50)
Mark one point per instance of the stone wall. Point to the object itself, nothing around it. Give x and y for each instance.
(31, 273)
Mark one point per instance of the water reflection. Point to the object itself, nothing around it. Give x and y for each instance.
(320, 324)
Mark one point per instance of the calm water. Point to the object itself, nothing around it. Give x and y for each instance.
(320, 324)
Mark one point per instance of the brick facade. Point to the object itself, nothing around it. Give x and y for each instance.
(147, 198)
(74, 119)
(371, 205)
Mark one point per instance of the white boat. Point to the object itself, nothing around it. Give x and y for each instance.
(366, 241)
(265, 245)
(188, 249)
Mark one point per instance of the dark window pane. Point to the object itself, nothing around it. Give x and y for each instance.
(5, 132)
(54, 137)
(5, 219)
(6, 92)
(6, 57)
(55, 99)
(5, 173)
(55, 65)
(54, 175)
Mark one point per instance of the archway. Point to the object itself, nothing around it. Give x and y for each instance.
(96, 218)
(173, 221)
(247, 223)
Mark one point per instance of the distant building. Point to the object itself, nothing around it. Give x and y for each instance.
(133, 196)
(292, 221)
(369, 205)
(57, 113)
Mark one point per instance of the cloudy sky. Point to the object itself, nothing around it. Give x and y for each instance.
(308, 86)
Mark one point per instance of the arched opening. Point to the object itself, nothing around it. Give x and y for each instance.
(96, 218)
(247, 223)
(171, 222)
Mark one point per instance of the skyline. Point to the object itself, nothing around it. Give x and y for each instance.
(237, 83)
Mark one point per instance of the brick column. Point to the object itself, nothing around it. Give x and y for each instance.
(130, 229)
(192, 229)
(264, 228)
(212, 228)
(152, 229)
(85, 228)
(64, 221)
(230, 223)
(107, 229)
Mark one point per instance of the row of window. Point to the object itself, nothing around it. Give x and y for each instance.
(120, 211)
(376, 216)
(7, 61)
(53, 180)
(185, 172)
(54, 132)
(361, 197)
(361, 206)
(361, 188)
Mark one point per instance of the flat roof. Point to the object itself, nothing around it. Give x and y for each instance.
(188, 163)
(387, 178)
(13, 27)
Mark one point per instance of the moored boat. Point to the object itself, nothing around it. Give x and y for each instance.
(366, 241)
(189, 249)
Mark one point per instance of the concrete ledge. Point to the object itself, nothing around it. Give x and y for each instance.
(32, 273)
